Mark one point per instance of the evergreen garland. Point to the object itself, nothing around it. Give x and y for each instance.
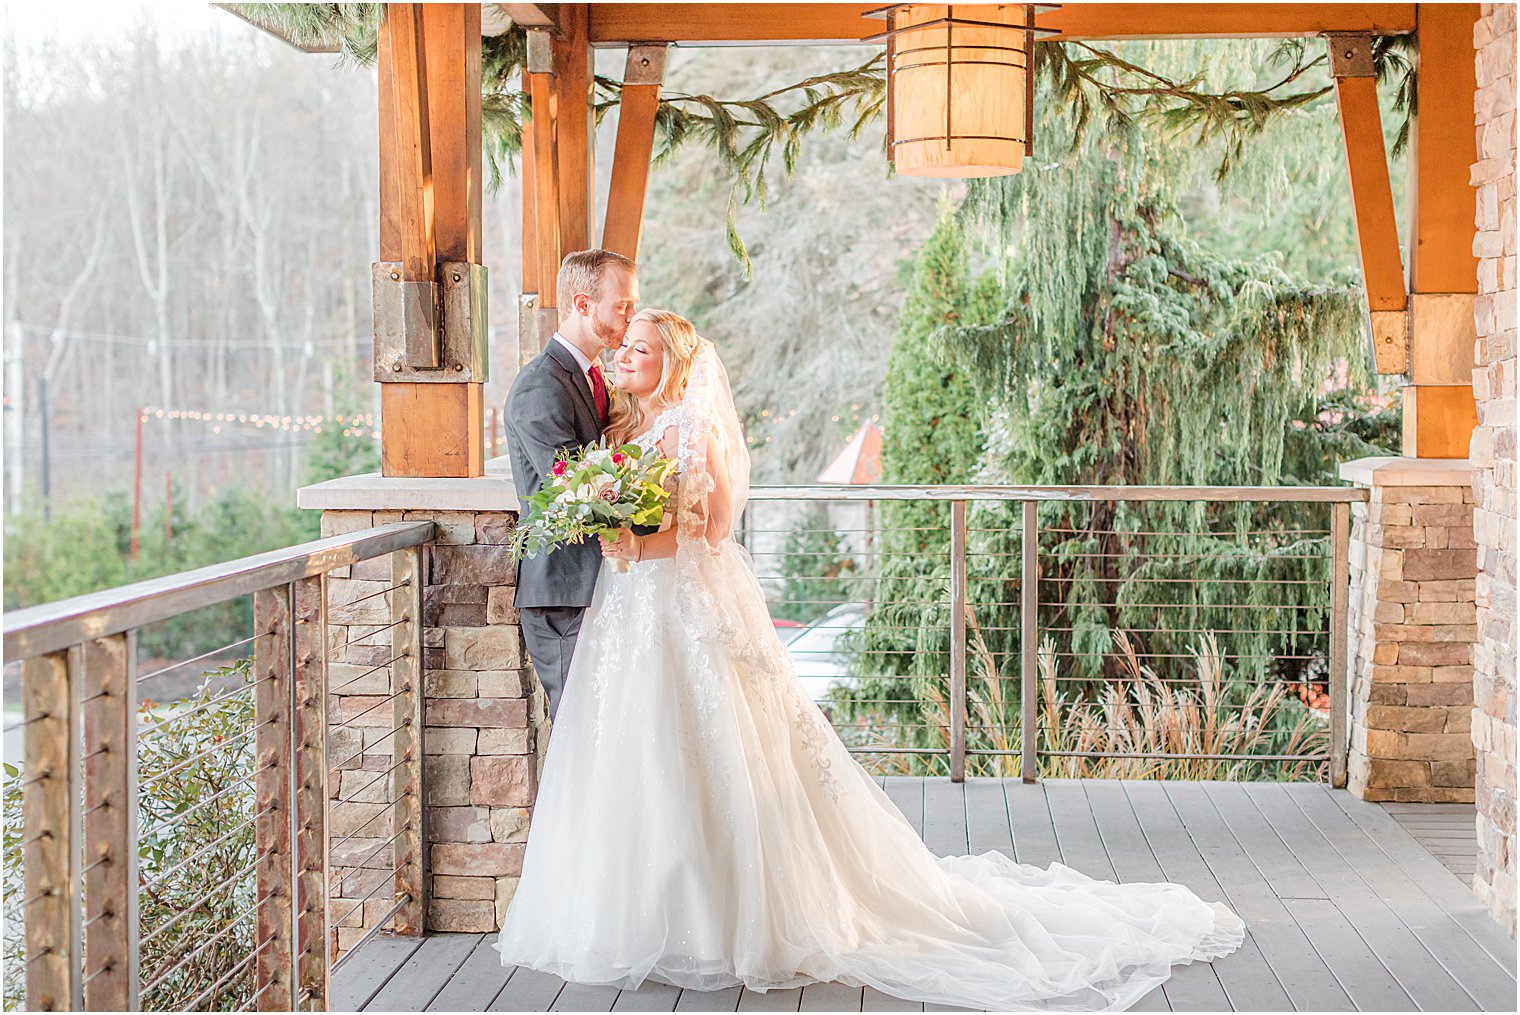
(1095, 84)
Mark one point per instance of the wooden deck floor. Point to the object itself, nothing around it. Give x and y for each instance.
(1449, 831)
(1346, 909)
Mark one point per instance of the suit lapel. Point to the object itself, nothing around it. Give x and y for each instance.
(577, 379)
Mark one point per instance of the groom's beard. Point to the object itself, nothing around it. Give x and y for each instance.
(611, 335)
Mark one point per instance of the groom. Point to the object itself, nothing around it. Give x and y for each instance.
(560, 402)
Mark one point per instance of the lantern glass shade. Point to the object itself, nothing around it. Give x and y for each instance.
(958, 89)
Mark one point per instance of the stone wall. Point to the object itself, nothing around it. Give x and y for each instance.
(1412, 624)
(1493, 458)
(481, 713)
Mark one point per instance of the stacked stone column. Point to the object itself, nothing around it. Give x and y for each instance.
(1412, 620)
(482, 713)
(1493, 458)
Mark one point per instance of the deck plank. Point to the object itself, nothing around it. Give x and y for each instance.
(1483, 979)
(726, 999)
(1453, 895)
(945, 817)
(874, 1000)
(1423, 978)
(987, 825)
(585, 997)
(908, 794)
(476, 982)
(830, 997)
(770, 1000)
(362, 976)
(1248, 979)
(1081, 846)
(528, 990)
(1348, 904)
(650, 996)
(425, 973)
(1193, 987)
(1034, 834)
(1303, 971)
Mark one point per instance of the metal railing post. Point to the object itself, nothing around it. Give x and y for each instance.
(308, 743)
(1340, 581)
(51, 853)
(1029, 609)
(273, 989)
(111, 980)
(407, 787)
(958, 641)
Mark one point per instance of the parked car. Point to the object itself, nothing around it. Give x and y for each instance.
(821, 661)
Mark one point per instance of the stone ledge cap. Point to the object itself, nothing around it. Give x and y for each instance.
(1399, 471)
(373, 492)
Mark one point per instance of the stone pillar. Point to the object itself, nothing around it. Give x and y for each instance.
(483, 707)
(1493, 459)
(1412, 622)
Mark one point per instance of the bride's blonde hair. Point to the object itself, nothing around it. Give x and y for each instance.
(681, 342)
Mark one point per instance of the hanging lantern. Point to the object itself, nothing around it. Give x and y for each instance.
(960, 87)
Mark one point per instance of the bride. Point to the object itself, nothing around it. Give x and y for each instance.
(699, 823)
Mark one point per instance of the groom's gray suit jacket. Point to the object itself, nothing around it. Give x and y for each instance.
(549, 410)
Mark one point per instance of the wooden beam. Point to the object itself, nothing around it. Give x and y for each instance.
(635, 144)
(1377, 230)
(1439, 418)
(456, 156)
(529, 209)
(1442, 148)
(620, 24)
(50, 694)
(533, 15)
(575, 156)
(545, 185)
(111, 976)
(272, 699)
(430, 208)
(412, 178)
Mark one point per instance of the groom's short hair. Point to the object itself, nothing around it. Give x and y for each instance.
(585, 271)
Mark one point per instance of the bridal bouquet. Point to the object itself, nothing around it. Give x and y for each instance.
(594, 492)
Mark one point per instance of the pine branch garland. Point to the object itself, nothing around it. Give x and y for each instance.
(1098, 87)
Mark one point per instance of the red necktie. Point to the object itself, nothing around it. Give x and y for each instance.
(598, 392)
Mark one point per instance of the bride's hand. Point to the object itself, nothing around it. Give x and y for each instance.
(624, 547)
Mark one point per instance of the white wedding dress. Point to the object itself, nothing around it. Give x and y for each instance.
(699, 823)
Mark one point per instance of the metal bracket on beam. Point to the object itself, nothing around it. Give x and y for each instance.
(1350, 54)
(540, 51)
(431, 332)
(646, 65)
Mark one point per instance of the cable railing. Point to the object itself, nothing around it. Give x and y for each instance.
(174, 851)
(1184, 632)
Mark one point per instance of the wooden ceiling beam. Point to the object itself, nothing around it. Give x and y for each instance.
(532, 15)
(714, 24)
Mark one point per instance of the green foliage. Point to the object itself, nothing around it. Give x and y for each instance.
(817, 571)
(86, 547)
(1126, 353)
(195, 846)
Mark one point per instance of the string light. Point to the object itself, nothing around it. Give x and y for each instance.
(354, 425)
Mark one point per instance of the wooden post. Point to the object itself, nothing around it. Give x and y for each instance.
(642, 78)
(111, 979)
(958, 641)
(430, 180)
(407, 788)
(1029, 633)
(50, 819)
(308, 750)
(1439, 410)
(536, 313)
(273, 984)
(575, 129)
(1372, 200)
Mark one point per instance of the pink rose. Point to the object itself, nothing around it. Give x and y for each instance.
(610, 495)
(559, 468)
(617, 458)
